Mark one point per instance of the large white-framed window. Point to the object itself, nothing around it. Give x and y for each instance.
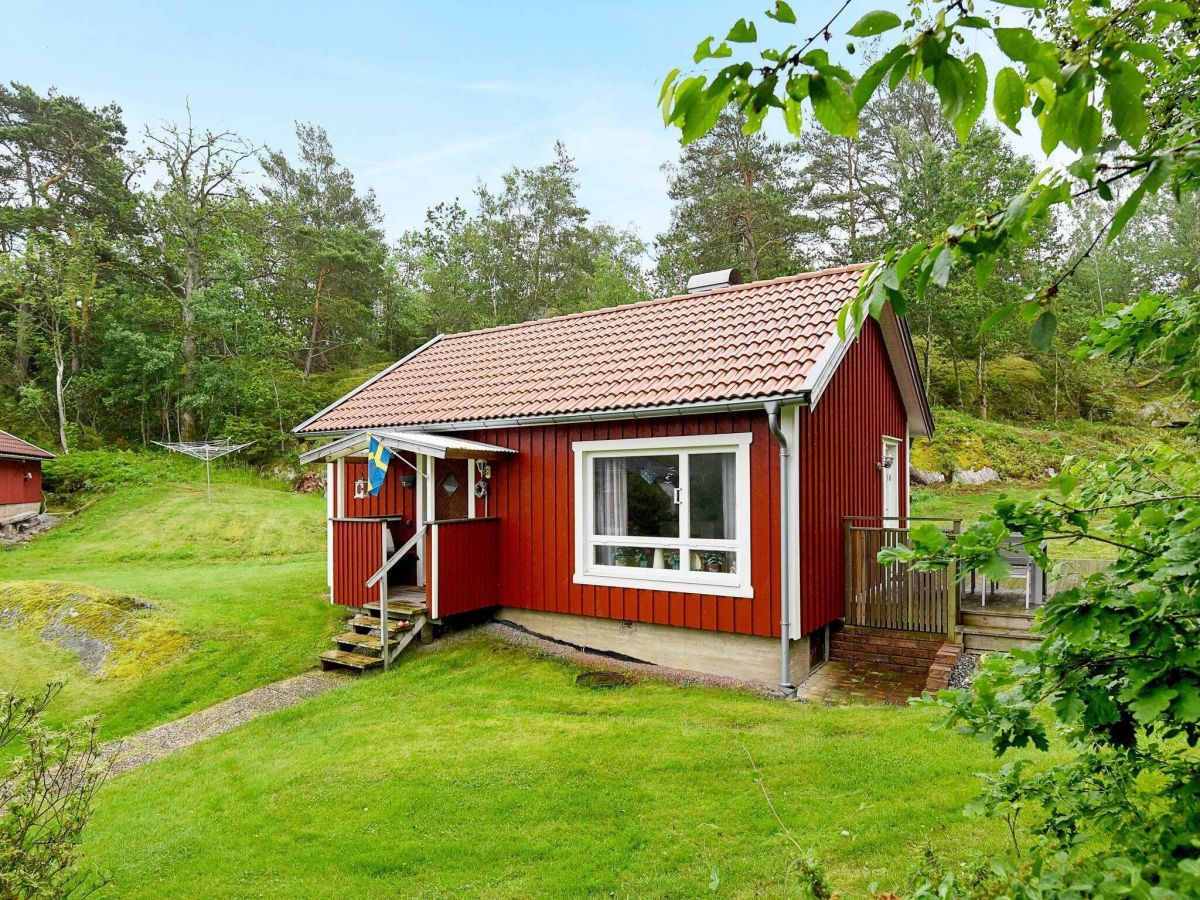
(668, 514)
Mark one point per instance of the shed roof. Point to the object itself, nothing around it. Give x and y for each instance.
(12, 447)
(766, 339)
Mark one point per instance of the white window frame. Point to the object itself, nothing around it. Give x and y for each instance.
(721, 584)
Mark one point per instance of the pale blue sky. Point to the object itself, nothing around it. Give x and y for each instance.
(420, 99)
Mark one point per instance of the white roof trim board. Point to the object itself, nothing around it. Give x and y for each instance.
(902, 355)
(438, 446)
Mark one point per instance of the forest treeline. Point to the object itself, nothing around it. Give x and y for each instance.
(187, 283)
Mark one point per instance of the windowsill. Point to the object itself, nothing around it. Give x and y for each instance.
(670, 585)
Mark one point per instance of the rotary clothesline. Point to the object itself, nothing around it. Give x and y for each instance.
(207, 451)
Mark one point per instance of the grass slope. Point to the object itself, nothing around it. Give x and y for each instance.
(481, 769)
(242, 577)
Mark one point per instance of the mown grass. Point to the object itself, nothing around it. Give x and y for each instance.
(481, 769)
(242, 577)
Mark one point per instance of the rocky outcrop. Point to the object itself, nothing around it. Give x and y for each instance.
(986, 475)
(921, 476)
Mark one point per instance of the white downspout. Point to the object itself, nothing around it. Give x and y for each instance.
(785, 625)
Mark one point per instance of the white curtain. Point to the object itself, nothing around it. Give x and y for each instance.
(729, 494)
(610, 499)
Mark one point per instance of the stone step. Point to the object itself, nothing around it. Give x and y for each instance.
(870, 654)
(363, 624)
(340, 659)
(905, 639)
(916, 655)
(1003, 639)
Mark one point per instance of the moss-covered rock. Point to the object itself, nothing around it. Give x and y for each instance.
(114, 635)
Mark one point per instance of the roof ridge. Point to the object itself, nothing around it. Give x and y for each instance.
(30, 444)
(658, 301)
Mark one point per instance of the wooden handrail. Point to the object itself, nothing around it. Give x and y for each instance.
(408, 545)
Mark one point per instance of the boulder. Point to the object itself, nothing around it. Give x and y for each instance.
(920, 476)
(986, 475)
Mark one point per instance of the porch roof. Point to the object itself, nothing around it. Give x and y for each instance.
(440, 446)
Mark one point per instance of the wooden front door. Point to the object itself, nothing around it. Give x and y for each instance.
(451, 488)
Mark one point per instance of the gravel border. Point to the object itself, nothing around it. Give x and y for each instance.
(964, 670)
(139, 749)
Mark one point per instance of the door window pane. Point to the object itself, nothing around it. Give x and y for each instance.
(712, 481)
(635, 496)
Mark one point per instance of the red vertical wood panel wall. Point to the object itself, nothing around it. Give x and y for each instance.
(468, 571)
(533, 495)
(15, 487)
(357, 554)
(841, 440)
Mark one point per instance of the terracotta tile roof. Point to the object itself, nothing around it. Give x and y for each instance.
(11, 447)
(736, 343)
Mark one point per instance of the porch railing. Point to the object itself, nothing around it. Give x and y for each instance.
(894, 596)
(464, 565)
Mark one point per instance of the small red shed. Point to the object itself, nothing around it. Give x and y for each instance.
(20, 478)
(667, 480)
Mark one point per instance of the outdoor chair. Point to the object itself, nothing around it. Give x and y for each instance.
(1022, 566)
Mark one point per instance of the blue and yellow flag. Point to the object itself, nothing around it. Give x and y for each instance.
(377, 465)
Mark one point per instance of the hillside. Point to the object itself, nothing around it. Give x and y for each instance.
(235, 586)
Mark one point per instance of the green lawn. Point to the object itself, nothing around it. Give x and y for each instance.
(243, 577)
(482, 769)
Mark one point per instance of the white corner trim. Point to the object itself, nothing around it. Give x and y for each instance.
(791, 427)
(739, 584)
(329, 515)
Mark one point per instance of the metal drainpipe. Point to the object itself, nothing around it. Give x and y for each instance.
(785, 625)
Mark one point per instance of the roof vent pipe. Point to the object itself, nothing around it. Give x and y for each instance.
(710, 281)
(785, 624)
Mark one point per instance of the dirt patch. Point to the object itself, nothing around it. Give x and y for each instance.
(112, 634)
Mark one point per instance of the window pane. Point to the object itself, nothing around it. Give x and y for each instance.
(638, 557)
(712, 481)
(634, 496)
(712, 561)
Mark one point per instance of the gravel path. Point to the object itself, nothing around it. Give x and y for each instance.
(139, 749)
(964, 671)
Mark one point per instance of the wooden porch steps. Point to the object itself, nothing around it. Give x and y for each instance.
(981, 637)
(362, 647)
(366, 624)
(341, 659)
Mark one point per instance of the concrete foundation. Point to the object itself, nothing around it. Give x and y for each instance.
(742, 656)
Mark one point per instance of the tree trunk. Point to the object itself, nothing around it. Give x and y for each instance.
(21, 354)
(928, 341)
(60, 392)
(957, 377)
(316, 321)
(981, 381)
(186, 416)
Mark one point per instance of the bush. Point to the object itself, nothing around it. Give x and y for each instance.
(104, 470)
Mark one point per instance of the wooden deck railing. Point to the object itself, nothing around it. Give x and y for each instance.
(894, 596)
(464, 565)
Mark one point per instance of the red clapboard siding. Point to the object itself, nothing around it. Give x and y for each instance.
(393, 498)
(841, 441)
(15, 487)
(357, 555)
(533, 496)
(468, 565)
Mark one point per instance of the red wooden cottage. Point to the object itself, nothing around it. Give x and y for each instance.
(20, 478)
(666, 480)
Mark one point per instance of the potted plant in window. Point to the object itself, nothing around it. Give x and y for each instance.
(671, 559)
(714, 561)
(645, 558)
(624, 556)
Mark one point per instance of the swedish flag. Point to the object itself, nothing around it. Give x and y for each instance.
(378, 457)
